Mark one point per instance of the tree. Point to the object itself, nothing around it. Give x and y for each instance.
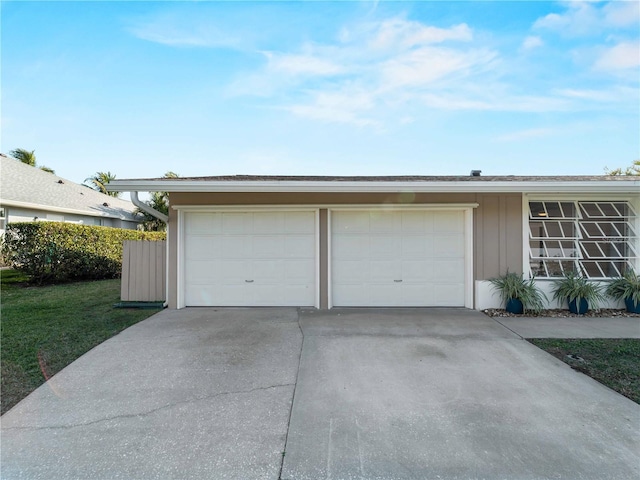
(99, 182)
(28, 157)
(159, 201)
(633, 170)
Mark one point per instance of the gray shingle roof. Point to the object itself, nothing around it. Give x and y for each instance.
(399, 178)
(26, 184)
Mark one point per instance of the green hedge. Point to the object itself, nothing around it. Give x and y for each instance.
(51, 252)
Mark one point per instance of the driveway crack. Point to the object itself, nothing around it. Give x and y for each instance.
(293, 396)
(152, 411)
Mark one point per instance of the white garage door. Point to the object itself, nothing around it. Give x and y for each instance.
(250, 258)
(398, 258)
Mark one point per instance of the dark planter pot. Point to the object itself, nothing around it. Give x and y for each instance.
(631, 308)
(514, 306)
(578, 309)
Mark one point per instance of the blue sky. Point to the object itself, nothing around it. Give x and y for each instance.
(334, 88)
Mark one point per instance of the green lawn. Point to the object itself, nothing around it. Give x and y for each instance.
(613, 362)
(44, 329)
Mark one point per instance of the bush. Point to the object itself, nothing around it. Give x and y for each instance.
(51, 252)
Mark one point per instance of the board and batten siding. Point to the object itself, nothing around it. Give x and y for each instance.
(143, 271)
(497, 231)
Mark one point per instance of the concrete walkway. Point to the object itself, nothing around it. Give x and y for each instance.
(572, 327)
(304, 394)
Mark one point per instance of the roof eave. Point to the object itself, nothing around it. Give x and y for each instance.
(205, 186)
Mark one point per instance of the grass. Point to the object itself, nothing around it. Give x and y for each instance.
(44, 329)
(612, 362)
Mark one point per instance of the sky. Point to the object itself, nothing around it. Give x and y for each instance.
(203, 88)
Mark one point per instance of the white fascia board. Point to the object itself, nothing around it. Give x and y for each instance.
(49, 208)
(205, 186)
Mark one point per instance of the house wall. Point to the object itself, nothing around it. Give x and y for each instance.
(17, 214)
(497, 228)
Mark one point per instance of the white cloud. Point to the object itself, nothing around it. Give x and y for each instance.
(337, 107)
(399, 33)
(623, 56)
(583, 18)
(532, 42)
(302, 64)
(622, 13)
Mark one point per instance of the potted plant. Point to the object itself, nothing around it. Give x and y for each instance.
(519, 294)
(579, 292)
(627, 288)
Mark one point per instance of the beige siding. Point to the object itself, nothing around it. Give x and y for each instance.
(143, 271)
(497, 234)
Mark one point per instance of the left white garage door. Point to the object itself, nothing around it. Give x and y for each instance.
(250, 258)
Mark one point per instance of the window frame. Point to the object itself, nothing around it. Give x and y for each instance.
(580, 239)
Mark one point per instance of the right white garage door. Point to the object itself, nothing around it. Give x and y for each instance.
(398, 258)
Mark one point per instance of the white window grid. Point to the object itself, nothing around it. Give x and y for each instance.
(594, 238)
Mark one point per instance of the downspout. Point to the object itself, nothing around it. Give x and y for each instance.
(160, 216)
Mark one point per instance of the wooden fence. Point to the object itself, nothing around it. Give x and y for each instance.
(143, 271)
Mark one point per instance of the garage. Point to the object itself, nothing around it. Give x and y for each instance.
(399, 258)
(250, 258)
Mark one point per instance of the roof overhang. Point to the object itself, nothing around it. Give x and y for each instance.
(75, 211)
(208, 186)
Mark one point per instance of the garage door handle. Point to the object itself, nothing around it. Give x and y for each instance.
(249, 281)
(397, 281)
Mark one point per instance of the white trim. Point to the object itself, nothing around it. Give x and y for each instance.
(180, 262)
(340, 206)
(317, 239)
(180, 284)
(468, 263)
(329, 262)
(49, 208)
(489, 185)
(526, 265)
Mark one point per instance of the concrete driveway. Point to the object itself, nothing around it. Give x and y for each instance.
(305, 394)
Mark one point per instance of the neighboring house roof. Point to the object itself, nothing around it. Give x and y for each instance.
(260, 183)
(22, 185)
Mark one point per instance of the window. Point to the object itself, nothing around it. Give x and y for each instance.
(2, 218)
(596, 239)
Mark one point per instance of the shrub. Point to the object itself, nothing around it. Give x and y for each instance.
(51, 252)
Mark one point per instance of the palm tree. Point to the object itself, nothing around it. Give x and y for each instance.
(28, 157)
(633, 170)
(99, 182)
(24, 156)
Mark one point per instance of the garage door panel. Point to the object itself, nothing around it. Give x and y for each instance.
(416, 222)
(417, 246)
(297, 246)
(403, 258)
(255, 258)
(448, 245)
(349, 271)
(416, 295)
(384, 271)
(299, 222)
(351, 246)
(448, 222)
(382, 222)
(383, 246)
(299, 270)
(206, 247)
(445, 295)
(237, 223)
(418, 271)
(351, 222)
(267, 246)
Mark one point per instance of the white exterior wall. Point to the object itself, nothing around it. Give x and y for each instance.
(486, 297)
